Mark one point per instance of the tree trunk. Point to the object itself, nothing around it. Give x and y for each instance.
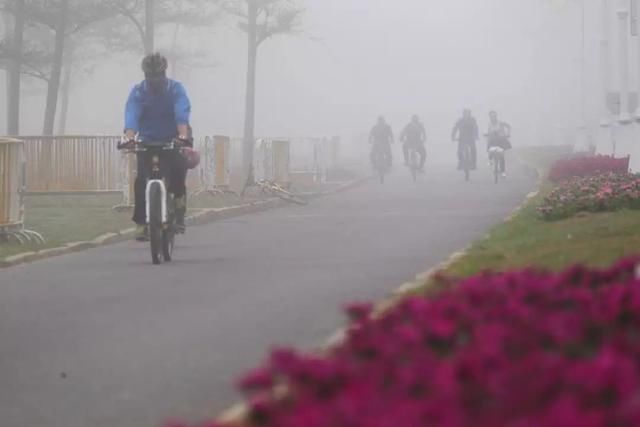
(56, 70)
(149, 30)
(250, 103)
(65, 89)
(174, 52)
(13, 72)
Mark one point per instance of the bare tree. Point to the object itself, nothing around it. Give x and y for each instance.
(149, 39)
(13, 69)
(38, 57)
(146, 17)
(260, 20)
(102, 25)
(53, 87)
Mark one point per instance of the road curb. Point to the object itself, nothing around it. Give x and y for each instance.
(341, 188)
(203, 217)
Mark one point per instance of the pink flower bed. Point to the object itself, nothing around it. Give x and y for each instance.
(525, 348)
(602, 193)
(587, 166)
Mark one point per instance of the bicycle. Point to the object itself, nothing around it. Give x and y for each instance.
(272, 188)
(414, 163)
(275, 189)
(380, 163)
(160, 204)
(465, 160)
(496, 158)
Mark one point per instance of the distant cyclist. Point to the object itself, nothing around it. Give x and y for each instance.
(498, 135)
(466, 133)
(381, 138)
(414, 136)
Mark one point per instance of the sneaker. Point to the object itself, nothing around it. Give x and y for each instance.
(504, 174)
(142, 233)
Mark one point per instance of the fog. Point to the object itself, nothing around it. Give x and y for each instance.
(356, 59)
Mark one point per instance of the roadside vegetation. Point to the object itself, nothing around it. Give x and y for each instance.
(535, 325)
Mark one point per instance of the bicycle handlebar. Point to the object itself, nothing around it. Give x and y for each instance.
(139, 147)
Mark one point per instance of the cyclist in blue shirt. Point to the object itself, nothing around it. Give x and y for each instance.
(158, 110)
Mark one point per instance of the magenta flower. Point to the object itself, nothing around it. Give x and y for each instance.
(519, 349)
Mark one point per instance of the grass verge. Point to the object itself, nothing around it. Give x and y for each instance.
(63, 219)
(596, 240)
(75, 218)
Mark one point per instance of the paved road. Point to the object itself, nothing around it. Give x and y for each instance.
(103, 339)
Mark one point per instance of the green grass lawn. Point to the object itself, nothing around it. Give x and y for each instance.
(65, 219)
(74, 218)
(526, 240)
(70, 218)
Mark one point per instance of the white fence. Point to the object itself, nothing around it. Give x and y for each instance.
(79, 164)
(272, 160)
(215, 162)
(12, 183)
(11, 160)
(72, 163)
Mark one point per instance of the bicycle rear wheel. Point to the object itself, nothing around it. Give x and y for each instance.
(156, 233)
(466, 164)
(381, 166)
(414, 165)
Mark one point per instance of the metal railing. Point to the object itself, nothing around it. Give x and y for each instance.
(92, 164)
(12, 183)
(272, 160)
(215, 163)
(72, 164)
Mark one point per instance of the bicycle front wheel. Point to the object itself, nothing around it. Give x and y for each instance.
(156, 232)
(414, 166)
(169, 232)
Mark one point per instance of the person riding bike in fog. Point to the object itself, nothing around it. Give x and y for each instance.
(466, 133)
(498, 135)
(158, 110)
(381, 138)
(414, 136)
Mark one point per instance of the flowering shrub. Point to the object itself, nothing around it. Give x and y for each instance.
(587, 166)
(525, 348)
(595, 194)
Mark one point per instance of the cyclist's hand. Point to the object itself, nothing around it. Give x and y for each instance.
(183, 141)
(126, 143)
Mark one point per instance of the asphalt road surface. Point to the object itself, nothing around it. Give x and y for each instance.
(103, 338)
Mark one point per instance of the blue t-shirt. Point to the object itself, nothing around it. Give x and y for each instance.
(155, 116)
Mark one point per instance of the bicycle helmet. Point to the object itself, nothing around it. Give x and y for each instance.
(154, 65)
(192, 157)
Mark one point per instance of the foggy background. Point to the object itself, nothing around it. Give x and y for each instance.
(357, 59)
